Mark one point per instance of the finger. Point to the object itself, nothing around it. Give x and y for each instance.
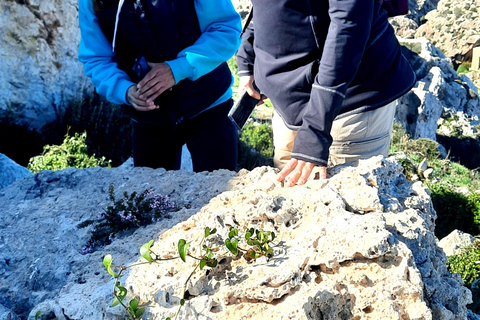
(287, 169)
(323, 172)
(141, 108)
(142, 105)
(306, 172)
(144, 82)
(144, 87)
(252, 92)
(296, 174)
(154, 92)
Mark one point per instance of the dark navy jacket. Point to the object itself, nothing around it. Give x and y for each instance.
(158, 31)
(319, 59)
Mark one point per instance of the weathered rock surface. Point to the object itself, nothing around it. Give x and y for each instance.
(40, 72)
(359, 245)
(10, 171)
(455, 242)
(453, 26)
(439, 92)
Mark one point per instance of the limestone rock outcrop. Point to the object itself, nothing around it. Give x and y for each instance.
(439, 92)
(453, 27)
(358, 245)
(40, 71)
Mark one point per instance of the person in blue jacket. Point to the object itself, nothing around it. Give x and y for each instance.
(164, 61)
(333, 70)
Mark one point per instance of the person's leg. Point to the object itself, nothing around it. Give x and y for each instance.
(356, 136)
(212, 139)
(156, 146)
(362, 135)
(283, 139)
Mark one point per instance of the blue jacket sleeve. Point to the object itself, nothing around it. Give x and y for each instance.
(221, 27)
(347, 37)
(96, 54)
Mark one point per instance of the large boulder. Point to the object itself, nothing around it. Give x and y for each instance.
(357, 245)
(40, 71)
(10, 171)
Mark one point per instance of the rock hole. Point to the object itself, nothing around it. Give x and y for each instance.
(216, 309)
(368, 309)
(187, 296)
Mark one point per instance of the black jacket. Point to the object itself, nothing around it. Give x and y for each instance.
(317, 60)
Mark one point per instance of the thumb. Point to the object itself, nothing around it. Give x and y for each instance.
(252, 92)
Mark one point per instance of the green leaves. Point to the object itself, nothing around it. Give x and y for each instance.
(259, 243)
(232, 245)
(135, 312)
(233, 232)
(71, 153)
(120, 294)
(107, 262)
(259, 240)
(182, 249)
(145, 251)
(209, 232)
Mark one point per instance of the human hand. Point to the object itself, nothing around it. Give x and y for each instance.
(138, 103)
(157, 80)
(299, 171)
(246, 83)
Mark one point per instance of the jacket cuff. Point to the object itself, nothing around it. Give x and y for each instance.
(313, 139)
(181, 69)
(312, 147)
(248, 72)
(122, 91)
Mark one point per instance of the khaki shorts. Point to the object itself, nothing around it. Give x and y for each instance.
(355, 136)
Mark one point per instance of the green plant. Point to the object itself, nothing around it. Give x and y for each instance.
(232, 64)
(129, 212)
(466, 263)
(417, 149)
(71, 153)
(455, 174)
(259, 241)
(415, 47)
(259, 137)
(474, 204)
(454, 211)
(464, 68)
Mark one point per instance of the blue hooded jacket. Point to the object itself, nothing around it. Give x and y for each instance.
(194, 37)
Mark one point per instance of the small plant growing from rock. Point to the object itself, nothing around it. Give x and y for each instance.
(259, 242)
(129, 212)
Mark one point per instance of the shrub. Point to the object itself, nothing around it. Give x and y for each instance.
(466, 263)
(71, 153)
(474, 204)
(417, 149)
(259, 137)
(454, 211)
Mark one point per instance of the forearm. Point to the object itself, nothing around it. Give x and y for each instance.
(220, 25)
(95, 52)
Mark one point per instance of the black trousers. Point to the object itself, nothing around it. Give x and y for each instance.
(211, 138)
